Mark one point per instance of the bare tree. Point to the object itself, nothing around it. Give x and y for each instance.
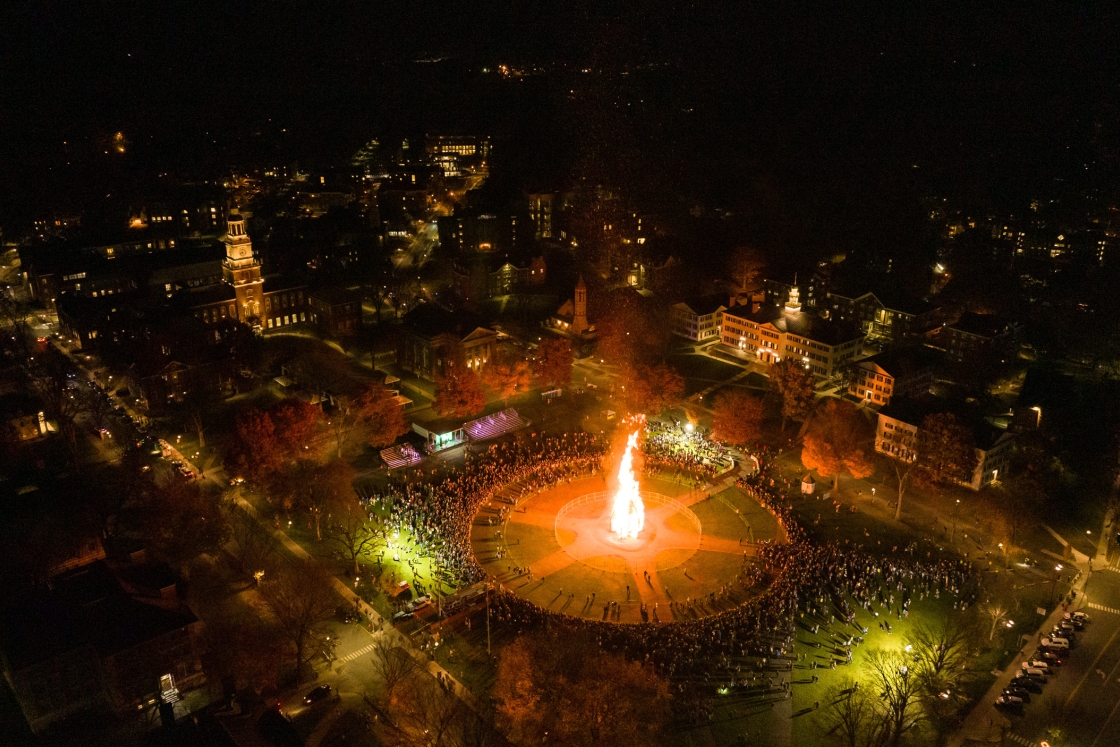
(943, 650)
(996, 613)
(49, 377)
(349, 527)
(898, 687)
(849, 716)
(254, 551)
(393, 663)
(303, 601)
(902, 470)
(430, 710)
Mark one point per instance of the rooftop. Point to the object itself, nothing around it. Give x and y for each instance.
(430, 320)
(982, 325)
(333, 295)
(901, 362)
(704, 305)
(85, 607)
(802, 323)
(913, 410)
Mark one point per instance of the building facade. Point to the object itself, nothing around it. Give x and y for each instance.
(773, 333)
(698, 319)
(896, 373)
(896, 435)
(435, 339)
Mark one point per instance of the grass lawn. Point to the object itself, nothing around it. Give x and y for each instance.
(701, 372)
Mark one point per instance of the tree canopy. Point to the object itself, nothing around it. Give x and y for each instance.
(650, 389)
(946, 450)
(795, 386)
(554, 362)
(737, 416)
(839, 440)
(559, 689)
(458, 393)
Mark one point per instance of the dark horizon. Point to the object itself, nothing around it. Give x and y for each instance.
(828, 120)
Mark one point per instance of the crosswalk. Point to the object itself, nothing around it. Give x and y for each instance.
(356, 654)
(1020, 740)
(1102, 608)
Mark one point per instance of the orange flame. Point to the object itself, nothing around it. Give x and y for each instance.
(628, 513)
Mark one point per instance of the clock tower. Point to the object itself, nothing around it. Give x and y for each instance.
(242, 269)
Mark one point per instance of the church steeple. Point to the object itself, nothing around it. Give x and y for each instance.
(241, 268)
(579, 312)
(793, 304)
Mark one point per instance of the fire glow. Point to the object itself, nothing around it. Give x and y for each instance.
(628, 514)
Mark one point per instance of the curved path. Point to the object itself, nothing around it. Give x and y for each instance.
(575, 567)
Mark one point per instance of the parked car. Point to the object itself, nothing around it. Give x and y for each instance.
(1056, 643)
(1009, 701)
(1017, 692)
(419, 603)
(1050, 657)
(1026, 682)
(322, 692)
(403, 615)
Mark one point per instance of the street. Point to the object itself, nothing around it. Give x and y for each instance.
(1084, 697)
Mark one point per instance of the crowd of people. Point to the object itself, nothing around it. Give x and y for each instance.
(436, 515)
(793, 577)
(684, 449)
(796, 577)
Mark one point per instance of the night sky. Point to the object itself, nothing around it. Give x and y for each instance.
(827, 119)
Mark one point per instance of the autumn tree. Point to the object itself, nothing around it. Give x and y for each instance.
(1012, 505)
(631, 329)
(548, 687)
(254, 452)
(381, 414)
(651, 389)
(302, 598)
(946, 450)
(839, 440)
(745, 265)
(183, 520)
(506, 377)
(458, 393)
(554, 362)
(296, 427)
(737, 416)
(794, 385)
